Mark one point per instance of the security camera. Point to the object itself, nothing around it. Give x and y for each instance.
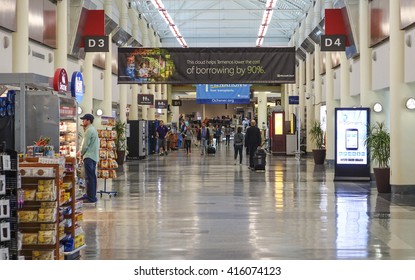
(307, 96)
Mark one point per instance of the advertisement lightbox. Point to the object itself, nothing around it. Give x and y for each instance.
(351, 154)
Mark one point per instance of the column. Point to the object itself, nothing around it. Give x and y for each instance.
(146, 43)
(309, 102)
(262, 108)
(401, 119)
(330, 110)
(317, 82)
(151, 111)
(165, 96)
(134, 101)
(285, 90)
(345, 99)
(21, 38)
(136, 88)
(123, 89)
(144, 108)
(61, 52)
(107, 101)
(87, 100)
(301, 92)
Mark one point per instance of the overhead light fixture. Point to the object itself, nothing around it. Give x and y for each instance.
(410, 103)
(266, 20)
(158, 4)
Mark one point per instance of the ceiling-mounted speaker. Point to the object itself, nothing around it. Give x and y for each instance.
(408, 41)
(374, 56)
(6, 42)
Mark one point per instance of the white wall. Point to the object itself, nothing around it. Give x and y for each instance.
(6, 54)
(43, 66)
(410, 56)
(323, 88)
(380, 67)
(190, 106)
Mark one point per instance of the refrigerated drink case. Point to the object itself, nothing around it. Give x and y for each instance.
(53, 115)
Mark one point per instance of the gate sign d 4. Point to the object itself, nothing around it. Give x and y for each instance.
(335, 43)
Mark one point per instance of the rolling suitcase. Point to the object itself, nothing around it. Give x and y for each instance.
(260, 160)
(211, 150)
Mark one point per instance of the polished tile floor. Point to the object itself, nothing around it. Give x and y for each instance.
(206, 208)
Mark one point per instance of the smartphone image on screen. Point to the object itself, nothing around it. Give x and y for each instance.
(352, 139)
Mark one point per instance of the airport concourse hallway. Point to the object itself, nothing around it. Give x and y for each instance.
(206, 208)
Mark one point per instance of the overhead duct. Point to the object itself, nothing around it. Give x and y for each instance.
(120, 37)
(78, 15)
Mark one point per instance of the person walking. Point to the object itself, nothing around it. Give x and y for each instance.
(228, 132)
(252, 141)
(204, 137)
(161, 133)
(188, 136)
(89, 154)
(238, 145)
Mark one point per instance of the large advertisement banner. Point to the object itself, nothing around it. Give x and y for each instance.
(206, 65)
(223, 94)
(351, 153)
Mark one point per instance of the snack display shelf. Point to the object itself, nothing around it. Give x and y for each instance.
(107, 164)
(65, 222)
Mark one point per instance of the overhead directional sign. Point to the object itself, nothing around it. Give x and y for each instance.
(176, 102)
(145, 99)
(96, 44)
(333, 43)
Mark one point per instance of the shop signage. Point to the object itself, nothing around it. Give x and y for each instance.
(60, 80)
(145, 99)
(206, 65)
(77, 86)
(67, 112)
(176, 102)
(96, 44)
(161, 104)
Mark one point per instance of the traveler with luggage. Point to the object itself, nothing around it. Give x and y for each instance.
(252, 142)
(204, 138)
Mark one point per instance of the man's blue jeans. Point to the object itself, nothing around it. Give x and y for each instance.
(91, 179)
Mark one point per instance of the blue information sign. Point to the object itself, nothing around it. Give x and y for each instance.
(77, 86)
(223, 93)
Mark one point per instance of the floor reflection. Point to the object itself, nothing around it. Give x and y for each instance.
(195, 207)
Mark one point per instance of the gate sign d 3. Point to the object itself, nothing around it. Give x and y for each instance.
(96, 44)
(335, 43)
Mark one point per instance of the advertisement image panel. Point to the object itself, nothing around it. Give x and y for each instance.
(206, 65)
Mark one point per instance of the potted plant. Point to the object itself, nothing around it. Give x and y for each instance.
(120, 141)
(317, 137)
(378, 143)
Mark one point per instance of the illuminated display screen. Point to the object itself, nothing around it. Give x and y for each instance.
(351, 131)
(278, 124)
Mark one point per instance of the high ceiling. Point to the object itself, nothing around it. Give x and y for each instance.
(224, 23)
